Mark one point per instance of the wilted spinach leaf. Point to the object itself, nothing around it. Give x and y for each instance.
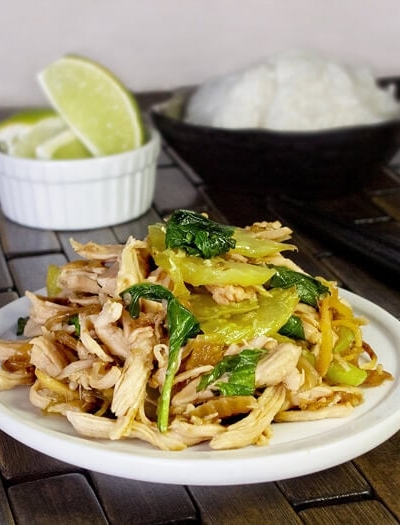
(293, 328)
(21, 322)
(240, 369)
(308, 288)
(197, 235)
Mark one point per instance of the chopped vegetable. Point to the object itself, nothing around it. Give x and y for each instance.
(205, 308)
(274, 311)
(250, 246)
(346, 338)
(324, 356)
(195, 240)
(216, 271)
(52, 287)
(347, 374)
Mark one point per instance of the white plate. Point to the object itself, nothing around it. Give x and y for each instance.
(295, 449)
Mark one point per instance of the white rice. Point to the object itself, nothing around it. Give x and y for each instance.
(296, 91)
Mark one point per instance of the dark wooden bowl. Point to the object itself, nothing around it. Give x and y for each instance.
(313, 164)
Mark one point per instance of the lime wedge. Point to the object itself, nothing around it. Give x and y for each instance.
(25, 145)
(64, 145)
(100, 111)
(18, 124)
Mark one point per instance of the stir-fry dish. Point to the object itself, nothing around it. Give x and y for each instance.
(201, 332)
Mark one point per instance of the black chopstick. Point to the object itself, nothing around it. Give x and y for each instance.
(380, 252)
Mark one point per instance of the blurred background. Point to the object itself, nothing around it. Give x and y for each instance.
(161, 44)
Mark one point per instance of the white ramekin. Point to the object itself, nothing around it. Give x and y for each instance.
(79, 194)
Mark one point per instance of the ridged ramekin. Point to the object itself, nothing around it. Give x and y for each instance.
(79, 194)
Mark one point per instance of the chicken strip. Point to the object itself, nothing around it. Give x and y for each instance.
(130, 389)
(251, 428)
(100, 252)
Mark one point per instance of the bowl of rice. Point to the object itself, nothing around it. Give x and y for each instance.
(296, 124)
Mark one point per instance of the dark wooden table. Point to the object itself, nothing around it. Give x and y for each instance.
(36, 489)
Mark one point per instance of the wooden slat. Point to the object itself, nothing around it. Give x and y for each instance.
(29, 273)
(337, 484)
(183, 166)
(129, 501)
(360, 513)
(384, 180)
(136, 228)
(5, 277)
(164, 159)
(7, 297)
(309, 257)
(173, 190)
(381, 467)
(362, 282)
(19, 240)
(6, 517)
(240, 208)
(67, 499)
(21, 463)
(389, 203)
(351, 208)
(243, 504)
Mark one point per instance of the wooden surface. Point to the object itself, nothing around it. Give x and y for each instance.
(36, 489)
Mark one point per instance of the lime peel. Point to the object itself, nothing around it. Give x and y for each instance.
(13, 128)
(100, 111)
(25, 145)
(64, 145)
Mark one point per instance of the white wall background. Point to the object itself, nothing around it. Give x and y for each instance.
(156, 44)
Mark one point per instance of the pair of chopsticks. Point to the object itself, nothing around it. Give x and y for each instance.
(380, 252)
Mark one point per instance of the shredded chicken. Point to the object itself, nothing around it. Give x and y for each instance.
(108, 332)
(47, 356)
(277, 365)
(248, 430)
(9, 380)
(86, 355)
(314, 415)
(231, 293)
(270, 230)
(82, 276)
(42, 309)
(130, 389)
(133, 266)
(89, 425)
(10, 348)
(100, 252)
